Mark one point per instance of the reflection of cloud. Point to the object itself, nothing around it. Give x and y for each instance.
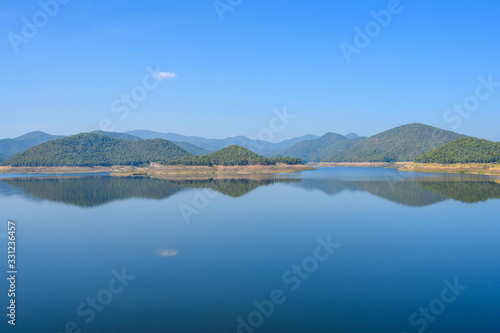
(164, 75)
(166, 252)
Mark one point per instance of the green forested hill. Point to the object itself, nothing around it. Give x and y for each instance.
(403, 143)
(317, 149)
(234, 155)
(88, 149)
(465, 150)
(195, 150)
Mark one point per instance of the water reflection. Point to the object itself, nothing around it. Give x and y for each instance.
(99, 190)
(166, 253)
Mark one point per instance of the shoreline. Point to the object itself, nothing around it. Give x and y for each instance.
(356, 164)
(168, 171)
(242, 172)
(61, 170)
(216, 171)
(487, 169)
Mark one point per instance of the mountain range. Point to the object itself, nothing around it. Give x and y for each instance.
(260, 147)
(403, 143)
(318, 149)
(193, 144)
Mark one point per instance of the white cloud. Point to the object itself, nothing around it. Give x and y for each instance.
(165, 75)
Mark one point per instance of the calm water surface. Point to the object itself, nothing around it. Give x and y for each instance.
(407, 253)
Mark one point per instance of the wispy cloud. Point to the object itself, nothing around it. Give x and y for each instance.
(164, 75)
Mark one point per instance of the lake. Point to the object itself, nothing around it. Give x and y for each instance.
(333, 250)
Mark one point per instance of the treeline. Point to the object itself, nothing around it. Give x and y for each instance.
(465, 150)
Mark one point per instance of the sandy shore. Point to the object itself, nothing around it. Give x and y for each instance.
(355, 165)
(64, 169)
(469, 168)
(244, 172)
(170, 171)
(218, 171)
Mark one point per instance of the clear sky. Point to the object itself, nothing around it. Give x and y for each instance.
(224, 77)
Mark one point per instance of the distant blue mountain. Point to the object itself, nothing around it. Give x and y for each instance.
(194, 144)
(316, 150)
(352, 136)
(193, 149)
(260, 147)
(12, 147)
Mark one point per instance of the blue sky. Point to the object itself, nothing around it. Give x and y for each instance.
(218, 78)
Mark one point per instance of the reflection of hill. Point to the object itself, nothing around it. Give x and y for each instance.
(231, 187)
(413, 192)
(407, 193)
(470, 191)
(94, 190)
(327, 186)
